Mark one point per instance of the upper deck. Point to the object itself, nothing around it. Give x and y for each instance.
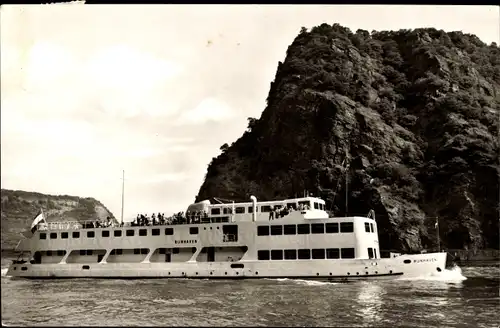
(255, 226)
(205, 213)
(305, 207)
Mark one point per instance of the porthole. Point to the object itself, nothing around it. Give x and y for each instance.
(256, 272)
(225, 273)
(366, 272)
(357, 273)
(196, 273)
(169, 273)
(237, 273)
(15, 268)
(407, 261)
(438, 269)
(85, 267)
(317, 273)
(348, 273)
(330, 273)
(211, 273)
(390, 272)
(376, 272)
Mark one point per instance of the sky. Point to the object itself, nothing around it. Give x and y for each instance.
(88, 91)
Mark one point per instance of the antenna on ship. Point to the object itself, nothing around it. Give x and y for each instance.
(123, 193)
(346, 184)
(436, 225)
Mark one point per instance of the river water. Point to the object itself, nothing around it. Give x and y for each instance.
(458, 297)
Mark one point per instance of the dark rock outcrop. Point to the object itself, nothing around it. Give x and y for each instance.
(415, 112)
(19, 208)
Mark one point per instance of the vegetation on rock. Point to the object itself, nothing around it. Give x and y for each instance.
(416, 114)
(19, 208)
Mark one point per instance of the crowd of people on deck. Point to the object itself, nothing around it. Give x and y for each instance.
(101, 224)
(279, 211)
(177, 218)
(197, 216)
(276, 212)
(145, 220)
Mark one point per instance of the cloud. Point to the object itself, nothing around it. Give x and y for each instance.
(130, 82)
(123, 81)
(209, 109)
(126, 68)
(48, 64)
(161, 178)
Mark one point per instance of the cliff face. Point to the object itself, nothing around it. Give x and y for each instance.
(19, 208)
(416, 114)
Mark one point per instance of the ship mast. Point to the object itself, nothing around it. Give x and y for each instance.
(123, 193)
(346, 183)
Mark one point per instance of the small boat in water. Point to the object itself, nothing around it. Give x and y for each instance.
(291, 238)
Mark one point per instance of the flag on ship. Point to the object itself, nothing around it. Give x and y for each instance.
(39, 218)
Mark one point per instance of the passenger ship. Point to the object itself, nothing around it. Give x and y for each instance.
(242, 240)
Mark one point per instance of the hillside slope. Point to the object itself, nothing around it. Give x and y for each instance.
(415, 112)
(19, 208)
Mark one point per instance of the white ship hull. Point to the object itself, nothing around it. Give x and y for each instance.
(334, 270)
(235, 241)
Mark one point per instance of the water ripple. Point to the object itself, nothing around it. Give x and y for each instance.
(458, 297)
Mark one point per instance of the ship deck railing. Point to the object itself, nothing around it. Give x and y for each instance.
(92, 224)
(67, 225)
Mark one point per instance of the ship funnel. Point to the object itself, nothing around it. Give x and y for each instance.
(254, 212)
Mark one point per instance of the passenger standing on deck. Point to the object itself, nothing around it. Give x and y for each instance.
(271, 213)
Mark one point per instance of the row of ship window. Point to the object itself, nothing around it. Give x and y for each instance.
(304, 229)
(143, 251)
(263, 230)
(117, 233)
(275, 254)
(263, 208)
(315, 228)
(306, 254)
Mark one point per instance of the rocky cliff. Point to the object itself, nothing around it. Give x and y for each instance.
(19, 208)
(414, 112)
